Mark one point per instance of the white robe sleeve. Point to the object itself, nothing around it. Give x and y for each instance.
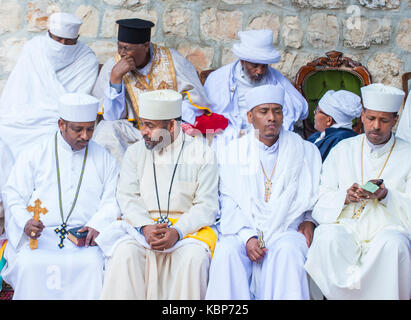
(331, 198)
(17, 193)
(108, 210)
(129, 197)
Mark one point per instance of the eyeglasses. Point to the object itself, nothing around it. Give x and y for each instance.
(318, 110)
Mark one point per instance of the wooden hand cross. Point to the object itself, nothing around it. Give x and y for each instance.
(37, 209)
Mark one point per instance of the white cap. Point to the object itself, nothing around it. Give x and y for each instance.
(342, 105)
(160, 105)
(64, 25)
(380, 97)
(264, 94)
(78, 107)
(256, 46)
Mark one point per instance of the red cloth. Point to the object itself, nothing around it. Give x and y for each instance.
(214, 122)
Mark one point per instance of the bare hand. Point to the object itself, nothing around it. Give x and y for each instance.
(159, 237)
(33, 228)
(125, 65)
(355, 193)
(254, 252)
(307, 229)
(91, 236)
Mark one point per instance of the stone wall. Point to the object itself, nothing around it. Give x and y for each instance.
(375, 32)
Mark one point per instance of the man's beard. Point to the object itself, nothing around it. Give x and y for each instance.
(252, 80)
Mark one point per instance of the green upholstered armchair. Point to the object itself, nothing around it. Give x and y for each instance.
(333, 72)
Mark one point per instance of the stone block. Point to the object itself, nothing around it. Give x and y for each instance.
(104, 50)
(380, 4)
(90, 17)
(177, 21)
(220, 25)
(10, 17)
(404, 35)
(200, 57)
(386, 68)
(322, 31)
(291, 32)
(266, 21)
(319, 4)
(366, 31)
(291, 62)
(38, 13)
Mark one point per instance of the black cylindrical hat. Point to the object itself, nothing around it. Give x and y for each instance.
(134, 30)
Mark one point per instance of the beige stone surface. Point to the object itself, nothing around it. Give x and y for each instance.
(126, 3)
(220, 25)
(366, 32)
(387, 68)
(10, 16)
(37, 14)
(238, 1)
(291, 32)
(104, 50)
(320, 4)
(227, 56)
(291, 61)
(200, 57)
(266, 21)
(404, 35)
(90, 17)
(177, 21)
(109, 26)
(380, 4)
(275, 2)
(10, 50)
(322, 31)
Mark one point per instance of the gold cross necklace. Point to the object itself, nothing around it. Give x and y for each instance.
(267, 183)
(357, 212)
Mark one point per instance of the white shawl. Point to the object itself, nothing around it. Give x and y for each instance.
(294, 190)
(28, 105)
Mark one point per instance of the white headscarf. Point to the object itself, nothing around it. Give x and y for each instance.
(342, 105)
(256, 46)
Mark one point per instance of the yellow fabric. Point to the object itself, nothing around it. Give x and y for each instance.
(161, 76)
(205, 234)
(2, 248)
(206, 110)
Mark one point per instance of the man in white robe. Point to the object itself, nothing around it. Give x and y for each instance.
(49, 66)
(140, 66)
(362, 249)
(6, 160)
(265, 231)
(171, 178)
(75, 180)
(404, 125)
(227, 86)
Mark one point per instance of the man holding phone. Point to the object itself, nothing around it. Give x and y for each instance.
(361, 250)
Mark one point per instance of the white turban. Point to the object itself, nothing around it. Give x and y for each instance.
(160, 105)
(264, 94)
(256, 46)
(342, 105)
(379, 97)
(78, 107)
(64, 25)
